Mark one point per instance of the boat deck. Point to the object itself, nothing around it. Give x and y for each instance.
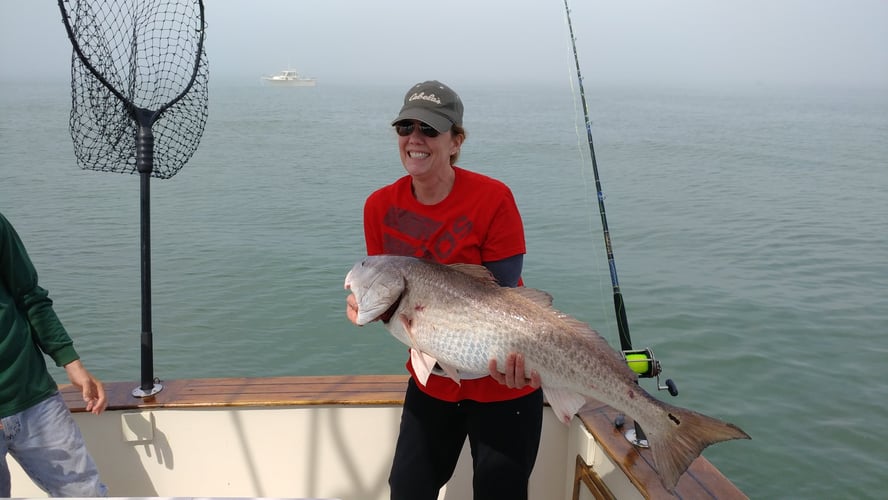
(702, 480)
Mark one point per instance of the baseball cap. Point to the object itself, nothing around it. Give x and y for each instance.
(434, 103)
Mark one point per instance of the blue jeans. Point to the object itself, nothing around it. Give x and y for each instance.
(46, 441)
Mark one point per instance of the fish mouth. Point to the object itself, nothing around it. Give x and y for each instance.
(386, 316)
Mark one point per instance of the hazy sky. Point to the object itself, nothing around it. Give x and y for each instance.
(462, 41)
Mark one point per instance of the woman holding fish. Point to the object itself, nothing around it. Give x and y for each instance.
(444, 213)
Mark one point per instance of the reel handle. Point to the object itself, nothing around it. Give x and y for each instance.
(643, 363)
(670, 386)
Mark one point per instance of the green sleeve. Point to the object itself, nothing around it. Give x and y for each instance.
(20, 280)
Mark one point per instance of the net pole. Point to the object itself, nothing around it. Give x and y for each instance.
(145, 165)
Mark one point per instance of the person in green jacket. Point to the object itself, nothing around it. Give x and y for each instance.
(37, 428)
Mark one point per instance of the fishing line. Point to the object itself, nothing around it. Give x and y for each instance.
(641, 361)
(596, 261)
(619, 305)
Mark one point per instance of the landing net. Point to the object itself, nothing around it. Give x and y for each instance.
(136, 63)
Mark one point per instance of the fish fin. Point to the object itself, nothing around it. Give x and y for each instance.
(588, 332)
(679, 437)
(451, 372)
(422, 365)
(407, 323)
(564, 403)
(576, 324)
(538, 296)
(474, 270)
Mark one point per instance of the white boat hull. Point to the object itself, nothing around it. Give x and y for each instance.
(288, 442)
(289, 83)
(289, 78)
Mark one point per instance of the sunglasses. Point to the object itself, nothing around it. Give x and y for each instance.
(405, 128)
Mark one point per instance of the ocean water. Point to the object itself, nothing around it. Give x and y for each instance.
(749, 228)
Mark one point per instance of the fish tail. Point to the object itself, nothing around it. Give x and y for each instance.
(678, 440)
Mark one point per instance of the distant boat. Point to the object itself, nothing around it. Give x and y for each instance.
(289, 78)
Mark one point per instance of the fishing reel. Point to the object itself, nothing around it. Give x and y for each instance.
(645, 365)
(643, 362)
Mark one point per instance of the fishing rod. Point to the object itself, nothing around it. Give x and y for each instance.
(641, 361)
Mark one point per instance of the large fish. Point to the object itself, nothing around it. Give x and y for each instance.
(458, 317)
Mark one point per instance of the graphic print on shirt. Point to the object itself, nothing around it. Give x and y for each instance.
(421, 236)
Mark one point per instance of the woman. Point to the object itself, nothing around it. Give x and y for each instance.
(441, 212)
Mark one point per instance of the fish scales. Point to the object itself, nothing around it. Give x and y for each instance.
(467, 323)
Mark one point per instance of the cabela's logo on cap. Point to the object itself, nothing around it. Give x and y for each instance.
(425, 97)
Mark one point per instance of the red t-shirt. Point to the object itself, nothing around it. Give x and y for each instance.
(477, 222)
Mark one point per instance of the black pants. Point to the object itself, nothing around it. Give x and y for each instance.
(504, 438)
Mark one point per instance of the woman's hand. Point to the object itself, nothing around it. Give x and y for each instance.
(351, 308)
(514, 376)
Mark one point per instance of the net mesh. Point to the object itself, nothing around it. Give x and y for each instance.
(136, 63)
